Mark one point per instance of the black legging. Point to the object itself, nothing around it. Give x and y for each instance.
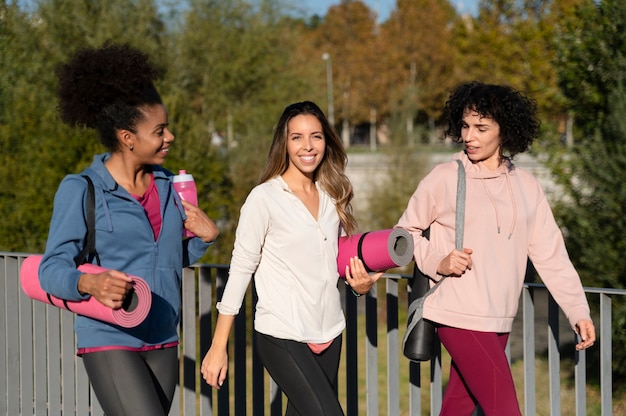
(308, 380)
(129, 383)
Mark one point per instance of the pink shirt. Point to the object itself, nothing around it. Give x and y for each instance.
(507, 221)
(150, 202)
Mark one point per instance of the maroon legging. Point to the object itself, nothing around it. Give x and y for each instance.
(479, 373)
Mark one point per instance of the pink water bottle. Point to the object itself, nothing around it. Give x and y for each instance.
(185, 186)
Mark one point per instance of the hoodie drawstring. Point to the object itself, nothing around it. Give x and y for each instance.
(508, 187)
(495, 207)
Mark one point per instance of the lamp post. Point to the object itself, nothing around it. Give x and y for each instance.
(329, 87)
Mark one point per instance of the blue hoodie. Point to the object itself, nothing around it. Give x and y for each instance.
(124, 242)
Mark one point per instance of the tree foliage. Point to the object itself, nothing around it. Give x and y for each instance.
(347, 34)
(591, 46)
(231, 66)
(419, 55)
(593, 76)
(593, 175)
(592, 212)
(232, 72)
(38, 148)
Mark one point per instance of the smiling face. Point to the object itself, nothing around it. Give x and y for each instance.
(152, 138)
(305, 144)
(481, 136)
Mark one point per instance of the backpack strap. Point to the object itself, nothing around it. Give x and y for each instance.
(416, 306)
(89, 248)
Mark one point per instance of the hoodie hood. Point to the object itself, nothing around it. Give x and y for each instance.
(478, 171)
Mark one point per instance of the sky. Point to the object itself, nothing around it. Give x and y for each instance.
(383, 7)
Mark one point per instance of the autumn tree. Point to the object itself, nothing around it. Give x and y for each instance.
(419, 60)
(348, 35)
(511, 42)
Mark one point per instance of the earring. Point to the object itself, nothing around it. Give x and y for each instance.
(131, 147)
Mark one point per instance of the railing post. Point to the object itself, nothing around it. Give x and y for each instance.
(529, 351)
(258, 379)
(223, 394)
(11, 305)
(205, 311)
(606, 357)
(580, 377)
(393, 364)
(415, 388)
(371, 351)
(436, 380)
(25, 338)
(351, 354)
(239, 348)
(4, 280)
(415, 376)
(554, 357)
(39, 369)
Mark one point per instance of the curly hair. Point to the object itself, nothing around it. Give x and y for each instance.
(515, 113)
(105, 89)
(331, 171)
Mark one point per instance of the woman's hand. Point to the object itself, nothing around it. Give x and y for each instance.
(215, 366)
(456, 263)
(109, 288)
(199, 223)
(358, 278)
(215, 363)
(587, 333)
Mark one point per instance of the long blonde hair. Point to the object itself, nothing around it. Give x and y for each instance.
(330, 174)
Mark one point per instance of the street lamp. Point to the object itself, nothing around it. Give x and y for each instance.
(329, 87)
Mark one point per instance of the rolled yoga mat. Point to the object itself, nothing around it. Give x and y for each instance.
(135, 309)
(379, 250)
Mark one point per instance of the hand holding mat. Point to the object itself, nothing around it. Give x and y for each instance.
(132, 313)
(378, 250)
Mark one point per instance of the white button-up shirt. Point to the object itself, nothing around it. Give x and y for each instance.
(293, 257)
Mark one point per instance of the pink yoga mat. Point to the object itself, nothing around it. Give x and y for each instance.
(379, 250)
(130, 315)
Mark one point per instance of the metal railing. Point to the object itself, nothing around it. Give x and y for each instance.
(41, 375)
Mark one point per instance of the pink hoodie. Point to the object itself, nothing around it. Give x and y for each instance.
(507, 220)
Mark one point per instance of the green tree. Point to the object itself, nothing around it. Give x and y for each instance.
(26, 122)
(591, 47)
(593, 77)
(232, 73)
(592, 212)
(38, 149)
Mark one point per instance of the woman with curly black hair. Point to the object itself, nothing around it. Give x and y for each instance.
(507, 221)
(139, 223)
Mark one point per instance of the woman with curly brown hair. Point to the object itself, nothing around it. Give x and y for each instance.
(287, 237)
(507, 221)
(139, 223)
